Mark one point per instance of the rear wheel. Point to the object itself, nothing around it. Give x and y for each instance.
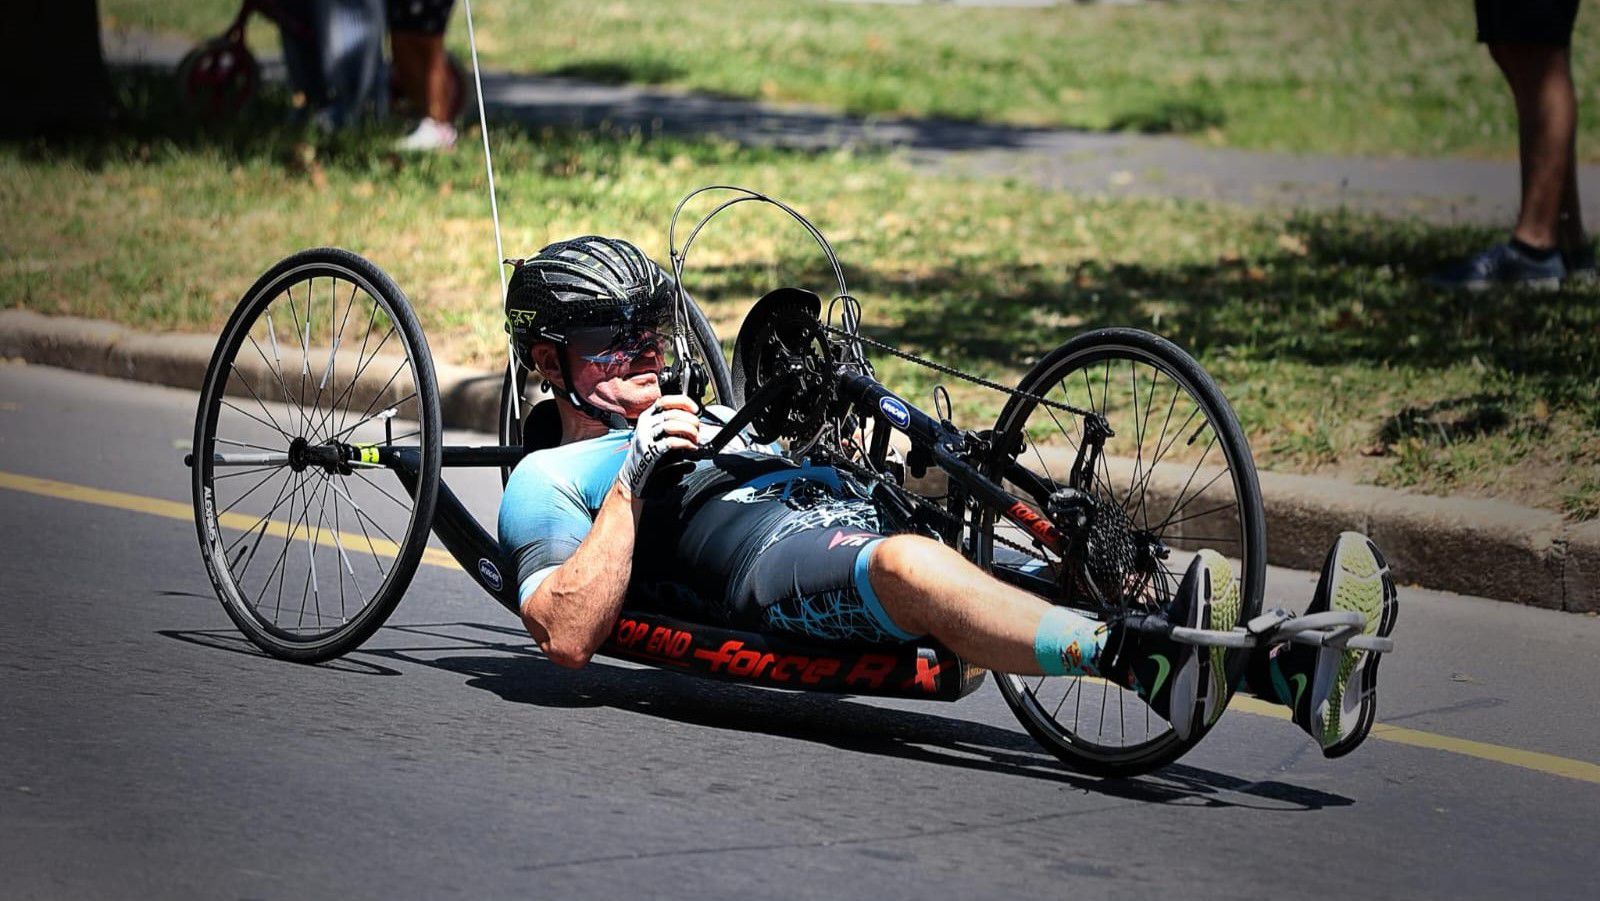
(1177, 476)
(321, 373)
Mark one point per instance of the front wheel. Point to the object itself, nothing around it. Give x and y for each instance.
(320, 393)
(1176, 476)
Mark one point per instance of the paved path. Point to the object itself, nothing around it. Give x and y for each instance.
(148, 752)
(1441, 190)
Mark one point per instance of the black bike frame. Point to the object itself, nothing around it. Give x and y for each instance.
(916, 669)
(921, 669)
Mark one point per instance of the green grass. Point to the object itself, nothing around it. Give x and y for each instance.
(1379, 77)
(1335, 359)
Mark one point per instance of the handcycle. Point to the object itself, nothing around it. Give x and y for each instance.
(306, 404)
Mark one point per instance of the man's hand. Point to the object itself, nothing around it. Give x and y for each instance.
(670, 424)
(710, 430)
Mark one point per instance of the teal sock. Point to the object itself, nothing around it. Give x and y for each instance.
(1066, 643)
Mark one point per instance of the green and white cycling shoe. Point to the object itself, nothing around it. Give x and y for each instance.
(1333, 692)
(1222, 590)
(1169, 675)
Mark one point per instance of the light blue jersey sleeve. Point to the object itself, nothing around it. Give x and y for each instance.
(551, 501)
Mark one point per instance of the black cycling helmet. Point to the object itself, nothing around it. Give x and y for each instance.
(582, 283)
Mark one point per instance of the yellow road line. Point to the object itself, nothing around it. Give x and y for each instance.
(239, 521)
(1550, 764)
(1530, 760)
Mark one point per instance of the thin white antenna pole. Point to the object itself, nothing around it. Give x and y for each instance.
(494, 209)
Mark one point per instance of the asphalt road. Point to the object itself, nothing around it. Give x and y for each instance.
(147, 751)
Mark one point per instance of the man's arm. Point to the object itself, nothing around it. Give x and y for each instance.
(572, 610)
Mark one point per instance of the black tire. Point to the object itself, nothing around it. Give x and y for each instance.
(347, 520)
(705, 346)
(1133, 378)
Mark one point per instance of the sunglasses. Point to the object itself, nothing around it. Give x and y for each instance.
(616, 346)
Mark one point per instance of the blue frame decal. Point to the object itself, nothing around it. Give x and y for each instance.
(895, 409)
(490, 573)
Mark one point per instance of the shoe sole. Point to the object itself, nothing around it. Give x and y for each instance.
(1224, 615)
(1360, 581)
(1183, 700)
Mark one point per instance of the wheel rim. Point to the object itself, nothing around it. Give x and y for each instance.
(303, 549)
(1178, 478)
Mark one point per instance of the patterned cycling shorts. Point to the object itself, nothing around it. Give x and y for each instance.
(813, 581)
(788, 552)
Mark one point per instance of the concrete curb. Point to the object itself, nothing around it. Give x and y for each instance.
(1477, 547)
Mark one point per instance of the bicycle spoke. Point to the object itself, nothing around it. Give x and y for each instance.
(1105, 691)
(265, 517)
(1105, 464)
(264, 480)
(338, 544)
(1062, 703)
(282, 555)
(333, 349)
(261, 534)
(277, 371)
(369, 418)
(1144, 484)
(1138, 430)
(311, 556)
(365, 414)
(378, 488)
(1217, 509)
(356, 380)
(1162, 452)
(305, 352)
(1194, 497)
(366, 337)
(1078, 445)
(258, 419)
(259, 402)
(245, 472)
(1192, 473)
(377, 559)
(303, 525)
(364, 516)
(270, 450)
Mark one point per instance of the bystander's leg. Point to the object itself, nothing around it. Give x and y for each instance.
(1540, 77)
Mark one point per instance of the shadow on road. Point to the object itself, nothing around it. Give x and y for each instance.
(502, 661)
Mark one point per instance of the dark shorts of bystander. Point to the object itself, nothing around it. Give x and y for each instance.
(419, 16)
(1547, 22)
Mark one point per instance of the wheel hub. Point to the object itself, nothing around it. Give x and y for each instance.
(331, 456)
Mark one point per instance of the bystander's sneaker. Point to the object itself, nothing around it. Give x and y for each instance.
(1580, 266)
(1333, 692)
(1509, 265)
(1142, 655)
(430, 134)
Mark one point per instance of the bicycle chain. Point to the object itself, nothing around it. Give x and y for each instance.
(947, 370)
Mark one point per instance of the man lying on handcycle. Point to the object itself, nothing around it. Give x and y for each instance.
(751, 540)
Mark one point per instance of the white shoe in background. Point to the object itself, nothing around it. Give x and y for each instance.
(430, 134)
